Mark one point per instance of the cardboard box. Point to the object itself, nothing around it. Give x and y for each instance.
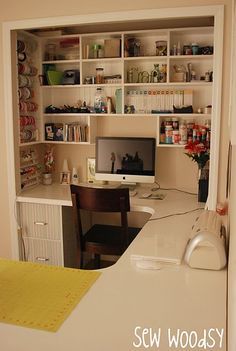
(112, 48)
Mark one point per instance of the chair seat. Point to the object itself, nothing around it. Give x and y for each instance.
(102, 237)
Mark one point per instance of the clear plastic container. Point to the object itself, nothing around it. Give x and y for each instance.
(100, 101)
(161, 48)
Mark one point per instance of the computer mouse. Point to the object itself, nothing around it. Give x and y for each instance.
(148, 264)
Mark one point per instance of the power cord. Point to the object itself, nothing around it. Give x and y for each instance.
(181, 191)
(176, 214)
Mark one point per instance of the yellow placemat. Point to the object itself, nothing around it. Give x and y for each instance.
(39, 296)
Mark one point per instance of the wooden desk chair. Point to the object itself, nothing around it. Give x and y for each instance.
(102, 239)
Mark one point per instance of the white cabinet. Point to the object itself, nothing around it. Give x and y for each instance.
(47, 234)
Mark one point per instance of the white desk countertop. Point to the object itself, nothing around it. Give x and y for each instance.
(125, 300)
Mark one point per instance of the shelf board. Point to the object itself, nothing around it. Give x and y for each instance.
(144, 84)
(187, 115)
(82, 114)
(101, 85)
(66, 142)
(102, 59)
(58, 36)
(171, 145)
(187, 57)
(192, 83)
(60, 86)
(69, 86)
(68, 114)
(29, 143)
(143, 58)
(61, 61)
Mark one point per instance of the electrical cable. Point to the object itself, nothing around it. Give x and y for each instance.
(176, 214)
(182, 191)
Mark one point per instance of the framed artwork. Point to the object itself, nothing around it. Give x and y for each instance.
(65, 178)
(91, 162)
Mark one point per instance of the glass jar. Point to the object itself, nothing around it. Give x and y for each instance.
(175, 123)
(195, 48)
(99, 75)
(175, 137)
(161, 48)
(187, 49)
(50, 54)
(133, 45)
(183, 133)
(169, 134)
(162, 133)
(100, 101)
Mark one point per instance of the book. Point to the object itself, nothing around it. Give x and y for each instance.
(49, 131)
(58, 132)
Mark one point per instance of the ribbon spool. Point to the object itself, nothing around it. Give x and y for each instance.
(21, 56)
(25, 93)
(20, 46)
(27, 121)
(25, 69)
(25, 81)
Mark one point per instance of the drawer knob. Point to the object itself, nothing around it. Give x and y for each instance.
(40, 223)
(42, 259)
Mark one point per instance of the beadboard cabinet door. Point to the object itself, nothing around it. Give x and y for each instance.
(47, 234)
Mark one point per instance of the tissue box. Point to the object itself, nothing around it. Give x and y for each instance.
(112, 47)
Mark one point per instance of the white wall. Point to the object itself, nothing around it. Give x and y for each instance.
(232, 260)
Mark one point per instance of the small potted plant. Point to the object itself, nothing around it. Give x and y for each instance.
(199, 151)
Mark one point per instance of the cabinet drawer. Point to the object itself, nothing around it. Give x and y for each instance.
(43, 251)
(41, 221)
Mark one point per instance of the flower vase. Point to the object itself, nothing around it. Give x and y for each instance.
(203, 183)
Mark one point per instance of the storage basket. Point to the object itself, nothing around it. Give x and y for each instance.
(54, 77)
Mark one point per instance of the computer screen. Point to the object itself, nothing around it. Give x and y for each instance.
(125, 159)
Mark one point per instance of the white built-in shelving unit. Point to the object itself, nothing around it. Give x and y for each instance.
(206, 30)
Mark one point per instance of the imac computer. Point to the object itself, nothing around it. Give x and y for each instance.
(128, 160)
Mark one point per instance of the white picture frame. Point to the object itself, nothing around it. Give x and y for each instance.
(65, 178)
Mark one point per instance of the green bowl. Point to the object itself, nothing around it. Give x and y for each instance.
(54, 77)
